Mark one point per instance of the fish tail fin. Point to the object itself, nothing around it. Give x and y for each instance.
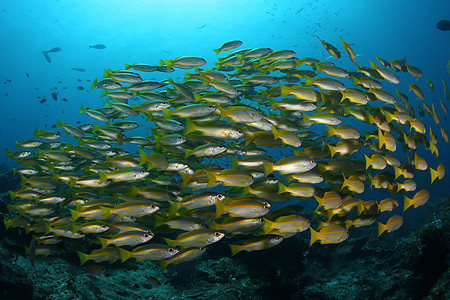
(354, 79)
(306, 118)
(268, 168)
(314, 236)
(94, 84)
(332, 150)
(103, 177)
(275, 132)
(187, 153)
(83, 257)
(284, 90)
(308, 81)
(381, 228)
(74, 214)
(318, 68)
(173, 208)
(322, 168)
(407, 202)
(223, 112)
(273, 103)
(127, 66)
(7, 222)
(381, 140)
(331, 131)
(233, 162)
(220, 208)
(388, 116)
(124, 254)
(106, 211)
(190, 126)
(282, 188)
(240, 57)
(197, 98)
(368, 161)
(211, 178)
(268, 226)
(167, 113)
(348, 223)
(217, 51)
(143, 157)
(164, 264)
(398, 172)
(158, 221)
(347, 111)
(234, 249)
(104, 242)
(171, 243)
(75, 228)
(168, 63)
(48, 229)
(434, 174)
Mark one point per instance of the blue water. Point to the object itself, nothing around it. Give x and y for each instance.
(146, 31)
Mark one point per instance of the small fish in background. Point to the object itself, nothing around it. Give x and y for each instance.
(448, 67)
(153, 280)
(94, 270)
(55, 49)
(28, 75)
(79, 80)
(32, 252)
(78, 69)
(64, 99)
(47, 57)
(443, 25)
(80, 87)
(55, 96)
(43, 100)
(203, 26)
(97, 46)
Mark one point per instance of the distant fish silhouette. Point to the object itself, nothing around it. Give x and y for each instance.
(47, 57)
(78, 69)
(31, 252)
(98, 46)
(56, 49)
(443, 25)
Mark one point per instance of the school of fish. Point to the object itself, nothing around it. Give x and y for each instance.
(204, 170)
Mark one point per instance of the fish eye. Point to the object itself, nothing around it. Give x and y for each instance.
(217, 233)
(104, 226)
(146, 235)
(261, 220)
(220, 197)
(171, 250)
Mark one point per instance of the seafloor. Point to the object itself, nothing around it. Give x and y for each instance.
(402, 265)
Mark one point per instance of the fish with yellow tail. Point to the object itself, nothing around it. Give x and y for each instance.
(419, 199)
(392, 224)
(332, 234)
(257, 243)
